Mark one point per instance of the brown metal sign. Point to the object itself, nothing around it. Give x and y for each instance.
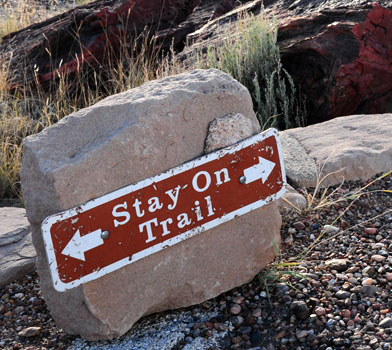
(117, 229)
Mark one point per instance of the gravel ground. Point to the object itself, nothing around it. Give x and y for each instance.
(338, 296)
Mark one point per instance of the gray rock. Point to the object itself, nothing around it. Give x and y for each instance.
(228, 130)
(158, 332)
(330, 229)
(121, 140)
(341, 294)
(368, 271)
(17, 253)
(300, 309)
(369, 290)
(30, 332)
(386, 323)
(347, 148)
(300, 168)
(292, 200)
(337, 264)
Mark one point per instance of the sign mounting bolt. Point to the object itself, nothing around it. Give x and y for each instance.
(105, 235)
(242, 179)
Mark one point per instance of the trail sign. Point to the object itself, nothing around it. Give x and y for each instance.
(124, 226)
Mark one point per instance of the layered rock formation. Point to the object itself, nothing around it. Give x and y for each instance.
(338, 52)
(90, 35)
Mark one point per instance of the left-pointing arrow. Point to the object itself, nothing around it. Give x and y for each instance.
(78, 245)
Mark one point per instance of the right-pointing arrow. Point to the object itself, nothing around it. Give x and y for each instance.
(78, 245)
(261, 170)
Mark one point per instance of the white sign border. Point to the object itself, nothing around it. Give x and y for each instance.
(51, 220)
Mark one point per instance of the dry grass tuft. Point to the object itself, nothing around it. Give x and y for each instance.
(33, 108)
(18, 14)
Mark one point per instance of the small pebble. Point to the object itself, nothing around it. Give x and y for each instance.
(386, 323)
(300, 309)
(330, 229)
(378, 258)
(301, 334)
(299, 225)
(256, 313)
(235, 309)
(238, 300)
(319, 311)
(341, 294)
(292, 231)
(30, 332)
(367, 282)
(340, 300)
(336, 264)
(19, 309)
(368, 271)
(369, 290)
(289, 240)
(370, 230)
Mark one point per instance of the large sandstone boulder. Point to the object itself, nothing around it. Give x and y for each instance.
(17, 254)
(119, 141)
(347, 148)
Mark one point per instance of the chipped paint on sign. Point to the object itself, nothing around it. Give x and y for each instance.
(129, 224)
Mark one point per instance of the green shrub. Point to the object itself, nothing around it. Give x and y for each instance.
(251, 55)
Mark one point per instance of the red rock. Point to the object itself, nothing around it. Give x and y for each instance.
(100, 27)
(343, 224)
(319, 311)
(368, 77)
(209, 324)
(340, 57)
(371, 230)
(280, 335)
(299, 225)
